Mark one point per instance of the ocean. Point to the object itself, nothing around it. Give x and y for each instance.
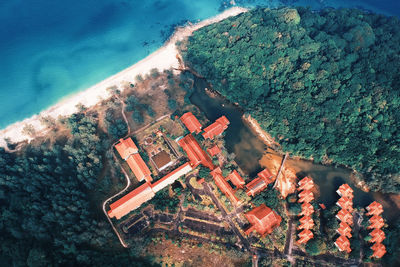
(50, 49)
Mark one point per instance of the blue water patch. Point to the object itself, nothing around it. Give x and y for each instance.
(51, 48)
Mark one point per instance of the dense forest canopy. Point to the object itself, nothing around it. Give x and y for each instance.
(325, 84)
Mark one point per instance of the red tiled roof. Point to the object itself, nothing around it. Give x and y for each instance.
(345, 191)
(191, 122)
(322, 205)
(306, 209)
(215, 150)
(345, 216)
(343, 244)
(377, 236)
(266, 175)
(344, 230)
(139, 167)
(345, 203)
(263, 220)
(224, 185)
(306, 184)
(376, 222)
(216, 128)
(236, 179)
(379, 250)
(306, 196)
(306, 223)
(131, 201)
(195, 153)
(374, 208)
(126, 147)
(305, 236)
(171, 177)
(256, 186)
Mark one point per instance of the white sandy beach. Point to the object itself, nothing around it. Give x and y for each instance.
(164, 58)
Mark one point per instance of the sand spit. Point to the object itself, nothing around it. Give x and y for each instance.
(162, 59)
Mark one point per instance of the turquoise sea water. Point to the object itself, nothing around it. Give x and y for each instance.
(52, 48)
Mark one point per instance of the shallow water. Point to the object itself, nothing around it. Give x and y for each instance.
(51, 48)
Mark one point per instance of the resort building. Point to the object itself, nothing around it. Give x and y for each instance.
(129, 152)
(267, 176)
(216, 128)
(171, 177)
(306, 209)
(344, 230)
(306, 184)
(236, 179)
(131, 201)
(255, 186)
(374, 208)
(126, 147)
(306, 222)
(343, 244)
(379, 250)
(305, 236)
(191, 122)
(223, 185)
(215, 150)
(139, 168)
(376, 222)
(345, 191)
(161, 160)
(263, 220)
(377, 236)
(345, 216)
(345, 203)
(194, 152)
(306, 196)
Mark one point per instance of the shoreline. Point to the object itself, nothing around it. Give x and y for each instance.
(162, 59)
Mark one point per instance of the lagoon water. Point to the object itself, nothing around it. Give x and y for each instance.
(50, 49)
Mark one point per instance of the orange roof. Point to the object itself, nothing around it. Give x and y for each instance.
(306, 196)
(374, 208)
(306, 209)
(305, 236)
(306, 184)
(343, 244)
(214, 150)
(216, 128)
(344, 230)
(126, 148)
(306, 223)
(377, 236)
(139, 168)
(322, 205)
(171, 177)
(191, 122)
(267, 176)
(195, 153)
(379, 250)
(256, 186)
(262, 219)
(345, 203)
(345, 191)
(236, 179)
(130, 201)
(345, 216)
(223, 185)
(376, 222)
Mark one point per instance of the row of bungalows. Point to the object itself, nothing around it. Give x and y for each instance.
(258, 184)
(375, 210)
(306, 196)
(345, 217)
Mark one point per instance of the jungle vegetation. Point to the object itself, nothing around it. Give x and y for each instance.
(324, 84)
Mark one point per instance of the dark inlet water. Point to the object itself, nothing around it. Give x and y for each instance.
(249, 149)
